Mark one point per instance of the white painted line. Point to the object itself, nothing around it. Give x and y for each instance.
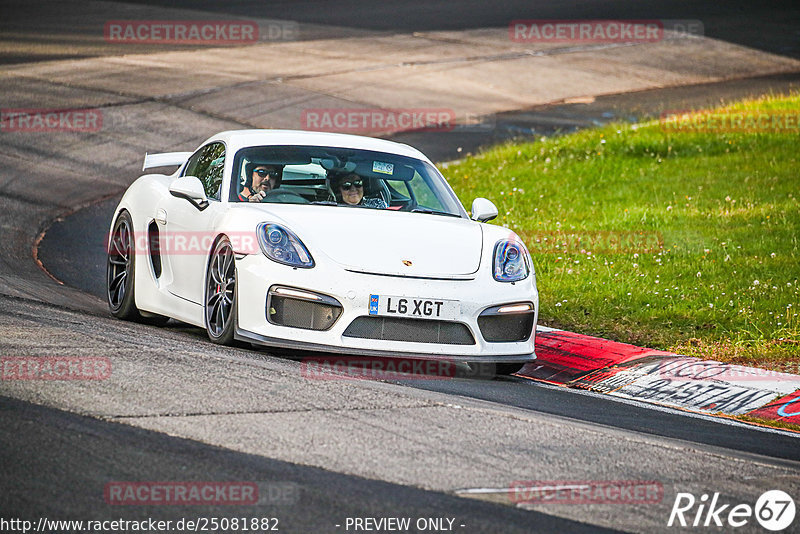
(469, 491)
(547, 487)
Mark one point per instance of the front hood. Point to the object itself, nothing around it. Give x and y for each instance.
(387, 242)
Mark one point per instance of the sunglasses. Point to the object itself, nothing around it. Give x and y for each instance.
(264, 172)
(354, 183)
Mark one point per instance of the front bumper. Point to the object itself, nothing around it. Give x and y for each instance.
(257, 274)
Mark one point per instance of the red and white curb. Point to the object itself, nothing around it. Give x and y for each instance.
(665, 378)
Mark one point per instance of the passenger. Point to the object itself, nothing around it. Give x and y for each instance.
(349, 189)
(261, 179)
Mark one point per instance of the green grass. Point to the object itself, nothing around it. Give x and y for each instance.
(715, 217)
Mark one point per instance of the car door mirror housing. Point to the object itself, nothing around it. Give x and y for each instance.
(483, 210)
(189, 188)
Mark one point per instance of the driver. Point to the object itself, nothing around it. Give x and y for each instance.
(261, 179)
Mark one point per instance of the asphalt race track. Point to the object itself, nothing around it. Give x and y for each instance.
(177, 408)
(154, 456)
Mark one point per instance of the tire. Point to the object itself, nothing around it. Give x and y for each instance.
(121, 270)
(121, 274)
(219, 297)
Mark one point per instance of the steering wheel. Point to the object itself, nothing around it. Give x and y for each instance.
(282, 196)
(383, 192)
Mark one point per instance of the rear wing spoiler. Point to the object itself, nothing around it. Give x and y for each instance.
(165, 159)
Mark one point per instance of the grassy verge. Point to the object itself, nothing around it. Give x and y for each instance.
(679, 240)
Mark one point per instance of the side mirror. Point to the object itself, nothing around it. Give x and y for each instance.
(190, 188)
(483, 210)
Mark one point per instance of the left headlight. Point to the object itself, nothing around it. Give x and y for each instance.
(511, 261)
(281, 245)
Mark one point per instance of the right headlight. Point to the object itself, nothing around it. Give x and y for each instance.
(511, 261)
(281, 245)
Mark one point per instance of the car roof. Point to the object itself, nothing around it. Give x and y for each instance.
(237, 139)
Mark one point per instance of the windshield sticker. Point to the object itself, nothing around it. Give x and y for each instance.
(383, 168)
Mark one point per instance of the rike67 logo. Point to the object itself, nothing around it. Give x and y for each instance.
(774, 510)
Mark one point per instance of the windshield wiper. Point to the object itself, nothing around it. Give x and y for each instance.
(325, 203)
(434, 212)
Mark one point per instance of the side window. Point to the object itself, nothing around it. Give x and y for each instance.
(207, 164)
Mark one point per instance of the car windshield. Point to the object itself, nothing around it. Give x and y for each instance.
(342, 177)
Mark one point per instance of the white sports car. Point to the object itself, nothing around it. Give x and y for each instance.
(321, 242)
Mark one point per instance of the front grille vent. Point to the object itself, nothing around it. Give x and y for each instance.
(412, 330)
(301, 309)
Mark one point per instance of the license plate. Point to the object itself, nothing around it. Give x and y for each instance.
(412, 307)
